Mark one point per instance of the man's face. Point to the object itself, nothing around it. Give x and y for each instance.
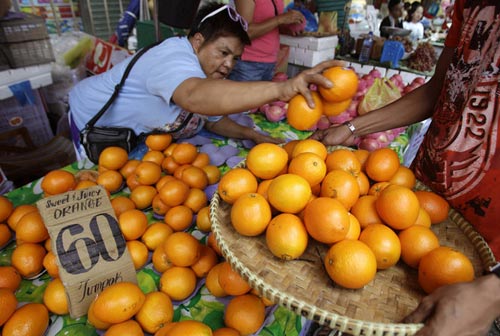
(217, 58)
(397, 11)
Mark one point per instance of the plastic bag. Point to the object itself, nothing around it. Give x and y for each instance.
(382, 92)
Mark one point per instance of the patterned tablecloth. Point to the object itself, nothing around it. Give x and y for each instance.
(201, 305)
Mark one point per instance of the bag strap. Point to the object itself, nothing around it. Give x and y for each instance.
(275, 8)
(118, 86)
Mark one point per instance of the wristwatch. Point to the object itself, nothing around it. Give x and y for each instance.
(495, 269)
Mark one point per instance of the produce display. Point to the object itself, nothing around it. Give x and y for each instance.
(423, 58)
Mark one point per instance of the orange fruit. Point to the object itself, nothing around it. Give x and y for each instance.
(156, 311)
(50, 264)
(300, 116)
(443, 266)
(345, 84)
(18, 213)
(8, 302)
(398, 207)
(212, 282)
(342, 186)
(263, 187)
(363, 184)
(226, 332)
(326, 220)
(309, 166)
(143, 196)
(57, 182)
(138, 253)
(416, 241)
(158, 206)
(184, 153)
(182, 249)
(286, 237)
(289, 147)
(178, 282)
(231, 282)
(6, 208)
(266, 160)
(158, 142)
(201, 160)
(113, 158)
(169, 165)
(164, 331)
(403, 177)
(164, 179)
(121, 204)
(174, 193)
(245, 313)
(128, 328)
(31, 228)
(250, 214)
(383, 242)
(196, 200)
(354, 228)
(180, 170)
(377, 188)
(345, 160)
(213, 244)
(129, 168)
(111, 180)
(133, 223)
(362, 155)
(365, 211)
(179, 217)
(331, 109)
(32, 319)
(93, 320)
(132, 182)
(208, 259)
(155, 235)
(310, 146)
(203, 220)
(423, 218)
(382, 164)
(351, 264)
(191, 328)
(119, 302)
(195, 177)
(436, 206)
(213, 173)
(9, 278)
(55, 298)
(101, 169)
(147, 173)
(48, 245)
(85, 184)
(154, 157)
(170, 148)
(27, 258)
(289, 193)
(235, 183)
(160, 260)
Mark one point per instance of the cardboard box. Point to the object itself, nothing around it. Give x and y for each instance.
(309, 58)
(310, 42)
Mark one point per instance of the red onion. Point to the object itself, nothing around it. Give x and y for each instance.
(323, 123)
(375, 73)
(369, 144)
(279, 103)
(264, 108)
(341, 118)
(275, 113)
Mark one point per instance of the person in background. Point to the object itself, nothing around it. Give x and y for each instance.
(264, 17)
(413, 23)
(394, 19)
(407, 6)
(459, 157)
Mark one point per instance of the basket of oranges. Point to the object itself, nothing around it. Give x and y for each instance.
(346, 238)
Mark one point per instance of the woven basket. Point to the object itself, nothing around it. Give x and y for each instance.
(304, 287)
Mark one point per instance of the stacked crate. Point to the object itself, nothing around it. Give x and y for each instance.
(308, 51)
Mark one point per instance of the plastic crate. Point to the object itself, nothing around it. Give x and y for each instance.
(21, 27)
(21, 54)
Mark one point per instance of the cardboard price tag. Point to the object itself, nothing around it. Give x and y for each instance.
(90, 249)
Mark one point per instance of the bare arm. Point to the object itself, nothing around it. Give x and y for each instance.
(230, 129)
(413, 107)
(246, 9)
(221, 97)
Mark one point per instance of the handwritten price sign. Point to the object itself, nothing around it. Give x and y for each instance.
(86, 239)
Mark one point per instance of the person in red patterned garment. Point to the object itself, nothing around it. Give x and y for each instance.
(459, 158)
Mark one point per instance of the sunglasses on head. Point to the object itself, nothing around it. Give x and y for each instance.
(233, 14)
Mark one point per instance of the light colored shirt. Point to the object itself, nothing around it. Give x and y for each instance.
(145, 101)
(417, 30)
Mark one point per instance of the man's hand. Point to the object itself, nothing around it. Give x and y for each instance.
(465, 309)
(335, 135)
(300, 83)
(261, 138)
(290, 17)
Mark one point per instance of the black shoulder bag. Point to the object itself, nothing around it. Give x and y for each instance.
(96, 138)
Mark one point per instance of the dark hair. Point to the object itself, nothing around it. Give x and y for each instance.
(414, 6)
(393, 3)
(218, 25)
(407, 6)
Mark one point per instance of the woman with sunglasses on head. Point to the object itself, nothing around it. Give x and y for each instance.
(181, 82)
(265, 18)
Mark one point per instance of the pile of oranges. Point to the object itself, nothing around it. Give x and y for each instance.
(327, 101)
(361, 204)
